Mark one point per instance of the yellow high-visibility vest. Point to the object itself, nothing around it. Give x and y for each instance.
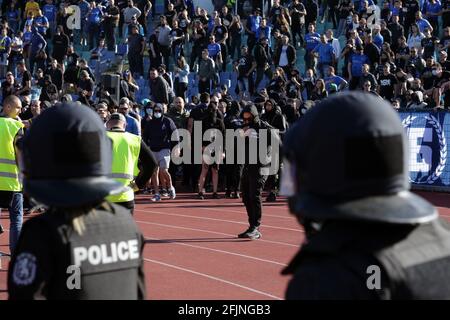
(9, 172)
(125, 154)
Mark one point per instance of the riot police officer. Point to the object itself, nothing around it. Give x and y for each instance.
(82, 247)
(367, 235)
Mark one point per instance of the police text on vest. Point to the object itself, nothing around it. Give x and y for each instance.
(107, 253)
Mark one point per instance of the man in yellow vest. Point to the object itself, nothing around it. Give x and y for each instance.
(133, 162)
(11, 129)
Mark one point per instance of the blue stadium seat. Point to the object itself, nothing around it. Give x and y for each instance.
(108, 55)
(122, 49)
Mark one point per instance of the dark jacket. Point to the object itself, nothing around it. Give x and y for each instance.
(262, 55)
(254, 133)
(159, 90)
(179, 118)
(276, 119)
(158, 133)
(291, 55)
(334, 263)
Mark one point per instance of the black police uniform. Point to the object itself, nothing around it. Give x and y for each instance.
(414, 262)
(367, 235)
(109, 254)
(83, 247)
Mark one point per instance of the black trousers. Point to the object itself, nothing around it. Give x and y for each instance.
(127, 205)
(252, 183)
(232, 176)
(195, 54)
(136, 63)
(204, 86)
(110, 37)
(297, 30)
(165, 51)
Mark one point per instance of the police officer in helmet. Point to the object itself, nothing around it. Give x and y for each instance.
(367, 235)
(82, 247)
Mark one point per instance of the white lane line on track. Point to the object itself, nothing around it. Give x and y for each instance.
(221, 251)
(213, 219)
(214, 232)
(264, 214)
(214, 278)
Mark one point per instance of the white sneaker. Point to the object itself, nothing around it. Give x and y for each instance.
(172, 193)
(156, 197)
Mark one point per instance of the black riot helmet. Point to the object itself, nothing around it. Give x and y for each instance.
(67, 157)
(346, 158)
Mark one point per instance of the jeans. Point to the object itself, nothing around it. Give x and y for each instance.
(260, 72)
(244, 85)
(16, 219)
(341, 27)
(94, 34)
(322, 68)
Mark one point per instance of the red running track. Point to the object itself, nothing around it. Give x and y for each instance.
(192, 251)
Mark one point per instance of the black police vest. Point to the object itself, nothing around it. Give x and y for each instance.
(414, 260)
(419, 266)
(107, 255)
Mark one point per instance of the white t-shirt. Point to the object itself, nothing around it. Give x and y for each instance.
(283, 57)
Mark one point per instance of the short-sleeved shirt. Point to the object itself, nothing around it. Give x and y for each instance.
(312, 40)
(135, 43)
(245, 64)
(213, 50)
(433, 8)
(49, 11)
(357, 61)
(387, 84)
(95, 16)
(41, 20)
(333, 80)
(219, 32)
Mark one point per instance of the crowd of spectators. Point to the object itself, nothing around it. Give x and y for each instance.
(284, 58)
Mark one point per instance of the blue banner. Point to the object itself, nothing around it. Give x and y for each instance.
(428, 136)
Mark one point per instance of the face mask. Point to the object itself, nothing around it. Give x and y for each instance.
(434, 72)
(149, 112)
(157, 115)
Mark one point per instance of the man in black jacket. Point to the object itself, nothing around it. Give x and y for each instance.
(255, 171)
(397, 31)
(367, 236)
(263, 57)
(158, 136)
(159, 87)
(286, 56)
